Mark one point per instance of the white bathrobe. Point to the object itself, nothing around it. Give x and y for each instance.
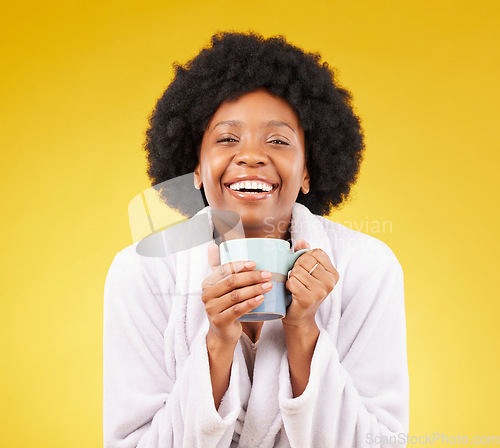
(157, 389)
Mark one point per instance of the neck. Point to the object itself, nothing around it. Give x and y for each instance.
(283, 234)
(228, 226)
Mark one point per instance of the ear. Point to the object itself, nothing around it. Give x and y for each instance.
(305, 182)
(197, 177)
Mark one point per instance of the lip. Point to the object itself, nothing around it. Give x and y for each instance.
(251, 196)
(249, 178)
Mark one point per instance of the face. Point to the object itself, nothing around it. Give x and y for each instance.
(252, 161)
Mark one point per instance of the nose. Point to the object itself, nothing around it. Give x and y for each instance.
(251, 154)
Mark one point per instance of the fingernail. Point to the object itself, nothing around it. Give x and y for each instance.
(266, 274)
(267, 285)
(259, 298)
(250, 264)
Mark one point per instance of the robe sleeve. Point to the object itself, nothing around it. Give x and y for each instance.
(148, 401)
(358, 389)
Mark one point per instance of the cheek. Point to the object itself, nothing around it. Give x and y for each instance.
(212, 172)
(295, 175)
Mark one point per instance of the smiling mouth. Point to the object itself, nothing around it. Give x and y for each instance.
(251, 190)
(252, 187)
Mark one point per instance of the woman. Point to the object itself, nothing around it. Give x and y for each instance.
(271, 136)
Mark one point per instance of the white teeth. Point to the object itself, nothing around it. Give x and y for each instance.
(247, 185)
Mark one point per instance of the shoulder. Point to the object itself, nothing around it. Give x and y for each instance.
(357, 251)
(130, 271)
(345, 245)
(370, 273)
(128, 260)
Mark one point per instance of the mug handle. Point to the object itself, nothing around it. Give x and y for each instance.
(294, 256)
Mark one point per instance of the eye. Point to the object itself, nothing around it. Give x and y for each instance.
(227, 140)
(277, 141)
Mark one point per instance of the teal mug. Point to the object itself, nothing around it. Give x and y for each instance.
(271, 255)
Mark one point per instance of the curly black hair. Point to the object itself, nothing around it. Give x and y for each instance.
(239, 63)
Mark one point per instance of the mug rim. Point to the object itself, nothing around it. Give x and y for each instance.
(262, 239)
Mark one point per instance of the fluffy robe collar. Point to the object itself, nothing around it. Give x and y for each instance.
(263, 419)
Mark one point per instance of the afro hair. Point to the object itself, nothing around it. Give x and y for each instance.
(238, 63)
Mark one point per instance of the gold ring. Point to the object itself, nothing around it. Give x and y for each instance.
(313, 268)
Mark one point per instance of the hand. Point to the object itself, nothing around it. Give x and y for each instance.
(229, 292)
(311, 279)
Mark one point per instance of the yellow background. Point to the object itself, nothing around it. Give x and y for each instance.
(78, 81)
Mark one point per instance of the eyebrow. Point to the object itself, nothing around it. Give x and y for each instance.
(267, 124)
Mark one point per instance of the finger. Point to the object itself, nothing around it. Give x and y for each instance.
(301, 244)
(236, 284)
(323, 259)
(238, 310)
(297, 288)
(306, 260)
(235, 266)
(228, 268)
(245, 293)
(231, 276)
(319, 282)
(310, 258)
(310, 281)
(221, 303)
(310, 265)
(221, 272)
(300, 274)
(213, 255)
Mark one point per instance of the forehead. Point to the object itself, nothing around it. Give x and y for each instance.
(258, 106)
